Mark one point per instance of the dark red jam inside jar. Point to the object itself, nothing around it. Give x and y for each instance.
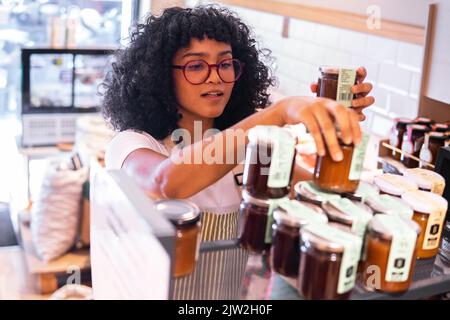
(259, 155)
(413, 143)
(252, 229)
(328, 82)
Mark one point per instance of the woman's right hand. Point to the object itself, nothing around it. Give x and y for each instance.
(321, 116)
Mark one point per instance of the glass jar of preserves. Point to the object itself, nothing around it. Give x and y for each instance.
(429, 212)
(364, 191)
(430, 148)
(268, 162)
(328, 263)
(185, 216)
(424, 121)
(413, 143)
(390, 253)
(307, 191)
(336, 83)
(290, 217)
(341, 176)
(441, 127)
(397, 133)
(394, 184)
(386, 204)
(255, 227)
(354, 214)
(426, 180)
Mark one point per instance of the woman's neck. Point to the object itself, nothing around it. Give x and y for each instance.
(195, 124)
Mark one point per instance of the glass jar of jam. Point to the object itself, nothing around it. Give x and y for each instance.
(185, 216)
(390, 253)
(413, 143)
(255, 227)
(430, 148)
(441, 127)
(307, 191)
(386, 204)
(341, 176)
(397, 133)
(354, 214)
(426, 180)
(289, 217)
(364, 191)
(393, 184)
(429, 212)
(268, 162)
(328, 263)
(336, 83)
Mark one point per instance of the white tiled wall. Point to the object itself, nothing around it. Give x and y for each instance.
(393, 66)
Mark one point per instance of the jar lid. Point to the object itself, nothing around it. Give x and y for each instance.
(394, 184)
(253, 200)
(418, 127)
(425, 179)
(440, 136)
(363, 191)
(386, 225)
(403, 121)
(327, 238)
(179, 212)
(441, 127)
(308, 191)
(425, 202)
(387, 204)
(345, 211)
(423, 120)
(270, 135)
(296, 214)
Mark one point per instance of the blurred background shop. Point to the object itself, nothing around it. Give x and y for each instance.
(55, 53)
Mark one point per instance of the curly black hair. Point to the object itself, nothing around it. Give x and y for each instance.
(138, 92)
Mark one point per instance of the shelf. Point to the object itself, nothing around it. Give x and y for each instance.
(431, 277)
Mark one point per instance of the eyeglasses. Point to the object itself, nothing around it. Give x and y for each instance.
(198, 71)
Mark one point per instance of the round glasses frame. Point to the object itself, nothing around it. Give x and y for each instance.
(210, 66)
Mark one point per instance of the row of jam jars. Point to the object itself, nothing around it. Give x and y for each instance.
(393, 184)
(328, 263)
(412, 143)
(433, 142)
(186, 218)
(268, 169)
(397, 133)
(429, 212)
(289, 217)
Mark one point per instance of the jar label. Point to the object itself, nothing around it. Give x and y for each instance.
(402, 248)
(360, 216)
(346, 81)
(298, 210)
(434, 229)
(357, 163)
(350, 257)
(274, 203)
(281, 163)
(425, 154)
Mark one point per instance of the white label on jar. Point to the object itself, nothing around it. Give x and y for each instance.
(352, 249)
(281, 163)
(360, 216)
(359, 153)
(425, 154)
(274, 203)
(346, 81)
(402, 248)
(434, 229)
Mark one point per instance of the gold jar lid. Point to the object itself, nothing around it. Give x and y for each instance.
(387, 204)
(425, 202)
(394, 184)
(308, 191)
(379, 225)
(179, 212)
(342, 216)
(425, 179)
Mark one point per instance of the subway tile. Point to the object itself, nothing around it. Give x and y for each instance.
(313, 53)
(410, 56)
(403, 106)
(415, 85)
(353, 42)
(292, 47)
(381, 49)
(381, 97)
(395, 77)
(327, 36)
(380, 124)
(371, 65)
(300, 29)
(337, 58)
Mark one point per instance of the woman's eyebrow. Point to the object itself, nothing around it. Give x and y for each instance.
(204, 54)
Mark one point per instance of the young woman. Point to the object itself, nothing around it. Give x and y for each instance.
(201, 66)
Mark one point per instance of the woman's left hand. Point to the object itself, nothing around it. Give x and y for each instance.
(361, 91)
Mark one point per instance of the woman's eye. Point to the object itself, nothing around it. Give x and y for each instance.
(226, 65)
(195, 67)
